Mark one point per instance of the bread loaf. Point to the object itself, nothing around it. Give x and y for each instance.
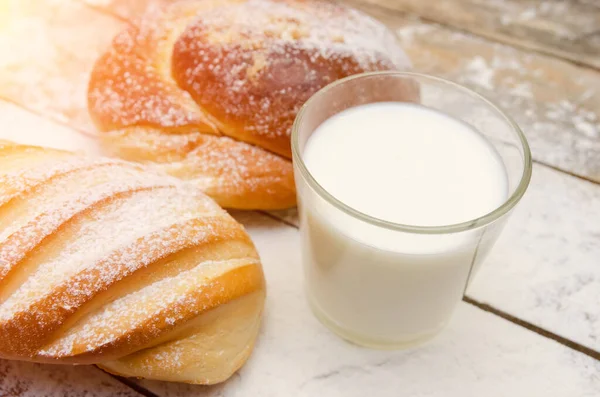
(209, 89)
(103, 262)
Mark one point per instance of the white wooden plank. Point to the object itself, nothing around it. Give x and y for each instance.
(477, 355)
(22, 379)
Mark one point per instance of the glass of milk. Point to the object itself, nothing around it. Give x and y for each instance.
(404, 183)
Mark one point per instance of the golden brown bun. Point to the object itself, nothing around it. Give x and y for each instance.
(103, 262)
(210, 88)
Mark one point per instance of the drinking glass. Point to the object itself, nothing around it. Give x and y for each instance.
(394, 297)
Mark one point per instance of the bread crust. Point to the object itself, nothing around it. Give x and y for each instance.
(103, 262)
(220, 83)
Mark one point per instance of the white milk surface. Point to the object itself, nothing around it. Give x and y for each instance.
(406, 164)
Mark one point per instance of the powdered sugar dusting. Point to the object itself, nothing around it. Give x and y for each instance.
(41, 218)
(325, 29)
(237, 163)
(16, 159)
(15, 183)
(222, 167)
(94, 237)
(128, 89)
(131, 311)
(256, 62)
(77, 228)
(155, 247)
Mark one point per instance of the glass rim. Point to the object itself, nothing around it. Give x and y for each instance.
(483, 220)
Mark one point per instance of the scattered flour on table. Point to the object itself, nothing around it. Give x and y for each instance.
(541, 14)
(552, 101)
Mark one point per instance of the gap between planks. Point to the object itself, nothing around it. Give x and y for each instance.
(565, 172)
(131, 384)
(497, 312)
(512, 43)
(534, 328)
(506, 40)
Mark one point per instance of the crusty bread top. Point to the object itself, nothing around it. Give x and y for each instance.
(241, 68)
(100, 258)
(209, 89)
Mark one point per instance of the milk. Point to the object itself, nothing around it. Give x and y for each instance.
(410, 165)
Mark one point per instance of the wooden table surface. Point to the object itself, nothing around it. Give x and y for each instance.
(529, 324)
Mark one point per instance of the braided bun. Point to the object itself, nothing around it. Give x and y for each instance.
(208, 90)
(102, 262)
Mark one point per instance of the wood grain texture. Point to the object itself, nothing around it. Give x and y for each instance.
(22, 379)
(568, 29)
(48, 49)
(544, 267)
(556, 103)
